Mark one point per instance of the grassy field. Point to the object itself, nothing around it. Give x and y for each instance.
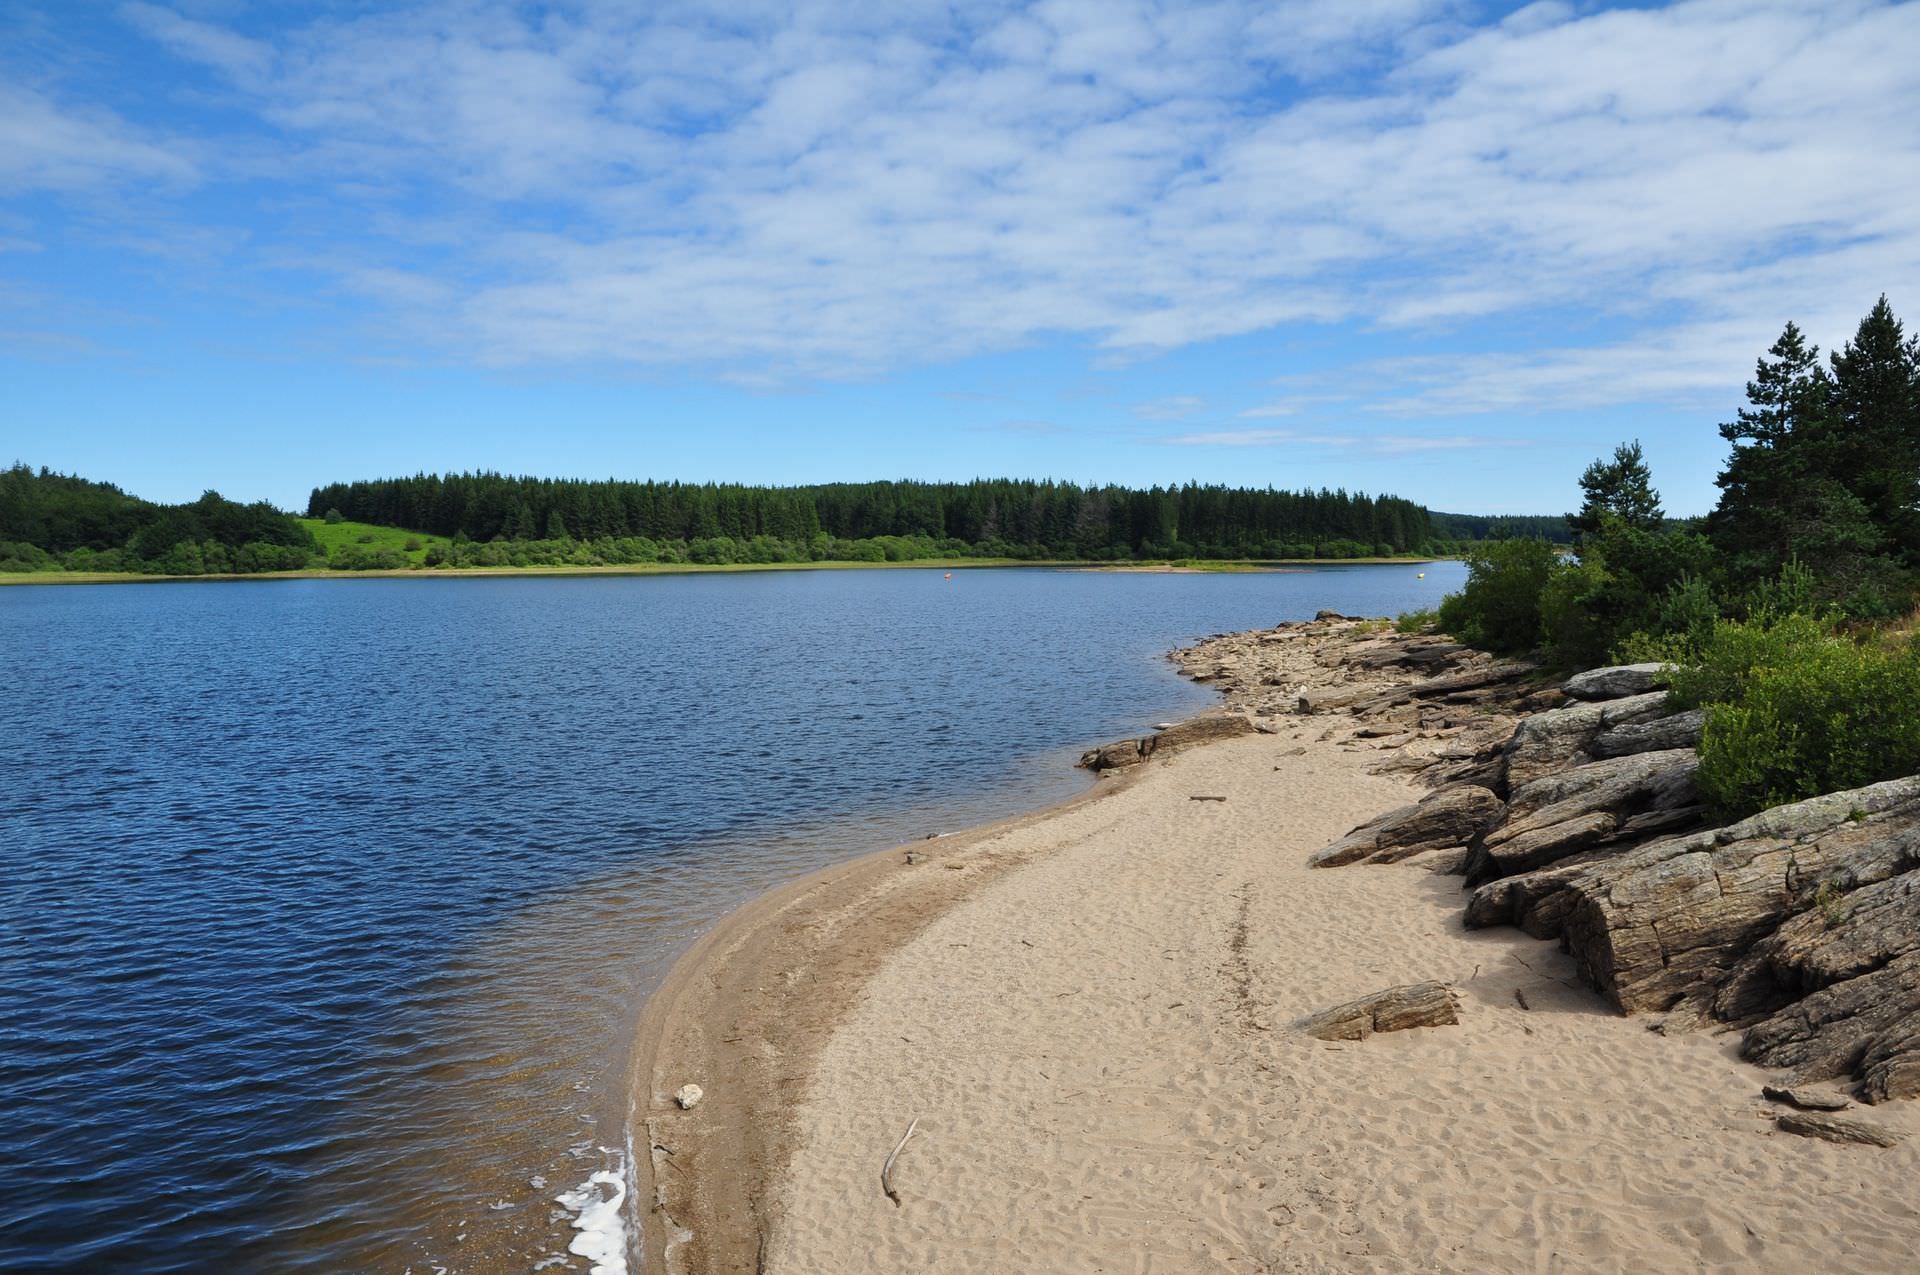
(367, 536)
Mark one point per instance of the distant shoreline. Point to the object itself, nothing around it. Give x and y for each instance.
(1221, 567)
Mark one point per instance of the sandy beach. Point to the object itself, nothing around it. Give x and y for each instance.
(1091, 1014)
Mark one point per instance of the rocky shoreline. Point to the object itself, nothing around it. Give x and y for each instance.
(1157, 1004)
(1569, 808)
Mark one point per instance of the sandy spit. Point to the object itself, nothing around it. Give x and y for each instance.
(1090, 1014)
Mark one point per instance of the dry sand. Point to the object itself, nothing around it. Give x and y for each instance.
(1090, 1014)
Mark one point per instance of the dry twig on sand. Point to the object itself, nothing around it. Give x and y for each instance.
(886, 1170)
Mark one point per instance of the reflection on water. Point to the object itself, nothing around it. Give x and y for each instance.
(329, 905)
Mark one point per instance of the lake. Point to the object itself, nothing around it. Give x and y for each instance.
(329, 906)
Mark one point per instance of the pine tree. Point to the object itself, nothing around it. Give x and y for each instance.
(1769, 483)
(1874, 427)
(1825, 468)
(1621, 488)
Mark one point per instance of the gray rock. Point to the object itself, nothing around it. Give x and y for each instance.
(1392, 1010)
(1585, 806)
(1449, 817)
(1678, 730)
(1808, 1124)
(1536, 843)
(1124, 752)
(1674, 916)
(1805, 1099)
(1617, 682)
(1594, 785)
(1324, 699)
(1554, 741)
(1199, 730)
(1868, 1026)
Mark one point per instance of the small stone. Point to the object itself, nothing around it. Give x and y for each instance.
(1805, 1099)
(688, 1096)
(1392, 1010)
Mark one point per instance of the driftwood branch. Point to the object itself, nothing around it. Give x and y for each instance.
(886, 1170)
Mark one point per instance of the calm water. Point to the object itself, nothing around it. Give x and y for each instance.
(327, 907)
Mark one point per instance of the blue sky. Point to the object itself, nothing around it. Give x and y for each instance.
(1447, 250)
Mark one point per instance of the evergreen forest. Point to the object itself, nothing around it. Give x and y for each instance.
(1788, 614)
(879, 521)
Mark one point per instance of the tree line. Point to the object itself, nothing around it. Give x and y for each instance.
(59, 521)
(1788, 612)
(986, 517)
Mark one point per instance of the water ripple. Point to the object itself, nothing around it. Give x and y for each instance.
(327, 906)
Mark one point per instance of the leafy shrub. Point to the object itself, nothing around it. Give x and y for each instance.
(18, 556)
(1569, 602)
(1500, 606)
(1416, 621)
(1736, 655)
(333, 516)
(355, 558)
(1815, 713)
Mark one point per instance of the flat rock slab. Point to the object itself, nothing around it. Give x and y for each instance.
(1394, 1009)
(1808, 1124)
(1199, 730)
(1805, 1099)
(1617, 682)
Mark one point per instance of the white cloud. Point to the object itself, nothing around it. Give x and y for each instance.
(45, 145)
(1173, 407)
(248, 61)
(821, 190)
(1365, 443)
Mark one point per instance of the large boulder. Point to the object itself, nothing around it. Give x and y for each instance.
(1554, 741)
(1678, 730)
(1451, 816)
(1617, 682)
(1867, 1026)
(1536, 902)
(1452, 687)
(1560, 815)
(1674, 917)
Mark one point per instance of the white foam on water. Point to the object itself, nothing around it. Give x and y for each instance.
(600, 1217)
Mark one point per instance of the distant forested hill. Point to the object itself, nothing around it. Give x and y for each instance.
(54, 522)
(50, 520)
(997, 517)
(1552, 527)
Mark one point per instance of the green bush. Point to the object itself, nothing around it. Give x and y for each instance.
(1816, 713)
(1736, 655)
(1416, 621)
(1500, 606)
(355, 558)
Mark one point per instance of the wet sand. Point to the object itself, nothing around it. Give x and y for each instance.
(1090, 1014)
